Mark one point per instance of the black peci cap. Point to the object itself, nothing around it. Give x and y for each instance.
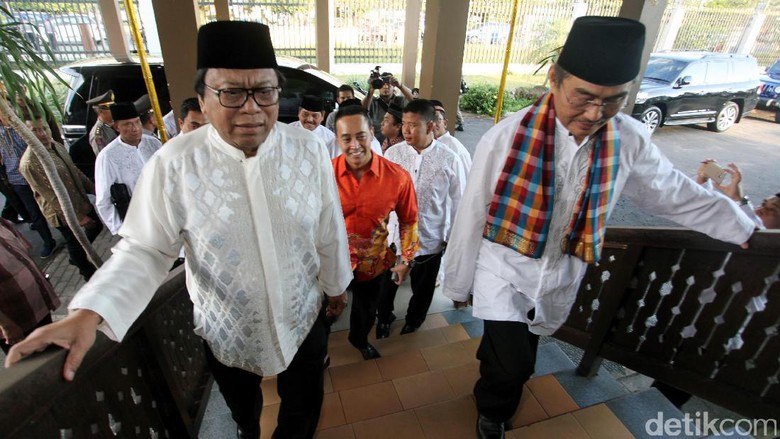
(312, 103)
(604, 51)
(123, 111)
(235, 45)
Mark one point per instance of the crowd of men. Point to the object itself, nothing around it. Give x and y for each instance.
(278, 221)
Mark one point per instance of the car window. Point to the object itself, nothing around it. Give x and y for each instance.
(717, 72)
(697, 72)
(743, 70)
(664, 69)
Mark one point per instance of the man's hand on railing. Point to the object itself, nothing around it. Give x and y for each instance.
(76, 333)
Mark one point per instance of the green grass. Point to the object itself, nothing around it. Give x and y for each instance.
(513, 80)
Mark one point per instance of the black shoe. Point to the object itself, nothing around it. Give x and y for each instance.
(408, 329)
(459, 127)
(382, 330)
(369, 352)
(326, 363)
(245, 434)
(487, 429)
(49, 249)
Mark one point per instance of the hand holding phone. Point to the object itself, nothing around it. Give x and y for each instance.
(714, 172)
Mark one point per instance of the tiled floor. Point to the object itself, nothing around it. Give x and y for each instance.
(422, 388)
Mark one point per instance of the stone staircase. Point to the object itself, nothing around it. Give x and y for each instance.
(421, 388)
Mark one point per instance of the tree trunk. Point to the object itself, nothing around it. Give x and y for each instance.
(54, 178)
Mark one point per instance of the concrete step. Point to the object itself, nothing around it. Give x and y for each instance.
(422, 388)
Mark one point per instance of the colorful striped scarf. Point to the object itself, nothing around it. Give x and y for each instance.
(521, 209)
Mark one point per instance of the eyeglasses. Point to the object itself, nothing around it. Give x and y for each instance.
(608, 105)
(237, 97)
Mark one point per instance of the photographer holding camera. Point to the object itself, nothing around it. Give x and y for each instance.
(386, 83)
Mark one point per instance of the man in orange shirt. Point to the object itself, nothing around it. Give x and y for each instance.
(370, 188)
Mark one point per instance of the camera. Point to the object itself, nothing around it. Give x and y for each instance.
(377, 80)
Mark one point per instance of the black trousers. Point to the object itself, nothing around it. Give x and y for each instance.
(507, 355)
(300, 388)
(37, 219)
(423, 279)
(365, 295)
(76, 254)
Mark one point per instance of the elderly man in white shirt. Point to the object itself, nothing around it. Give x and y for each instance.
(441, 134)
(255, 205)
(439, 178)
(540, 191)
(310, 116)
(121, 162)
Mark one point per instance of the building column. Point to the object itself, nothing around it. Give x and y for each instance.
(324, 23)
(222, 10)
(411, 41)
(650, 13)
(177, 26)
(672, 28)
(442, 52)
(112, 21)
(750, 34)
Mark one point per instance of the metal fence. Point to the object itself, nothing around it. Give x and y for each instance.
(372, 31)
(73, 29)
(540, 28)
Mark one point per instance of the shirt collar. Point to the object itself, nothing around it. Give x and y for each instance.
(342, 168)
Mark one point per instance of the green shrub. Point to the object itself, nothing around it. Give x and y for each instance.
(482, 99)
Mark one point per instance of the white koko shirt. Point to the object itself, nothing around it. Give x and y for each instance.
(264, 238)
(439, 178)
(457, 147)
(119, 162)
(507, 285)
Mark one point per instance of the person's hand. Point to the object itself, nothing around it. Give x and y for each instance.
(732, 190)
(76, 333)
(395, 82)
(87, 222)
(336, 305)
(465, 304)
(401, 271)
(701, 177)
(11, 332)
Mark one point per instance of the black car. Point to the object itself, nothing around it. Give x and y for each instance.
(769, 99)
(94, 77)
(683, 88)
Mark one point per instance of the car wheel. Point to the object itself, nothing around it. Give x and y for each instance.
(725, 119)
(651, 118)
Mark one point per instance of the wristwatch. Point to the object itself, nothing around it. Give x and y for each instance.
(409, 264)
(744, 201)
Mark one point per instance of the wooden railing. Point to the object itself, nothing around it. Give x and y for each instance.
(154, 384)
(688, 310)
(671, 304)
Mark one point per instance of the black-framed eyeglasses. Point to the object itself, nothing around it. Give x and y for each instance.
(608, 105)
(237, 97)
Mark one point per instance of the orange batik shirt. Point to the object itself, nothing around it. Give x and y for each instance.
(384, 187)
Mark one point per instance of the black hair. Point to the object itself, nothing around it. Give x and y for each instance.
(187, 105)
(200, 80)
(423, 107)
(560, 74)
(145, 117)
(352, 110)
(346, 87)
